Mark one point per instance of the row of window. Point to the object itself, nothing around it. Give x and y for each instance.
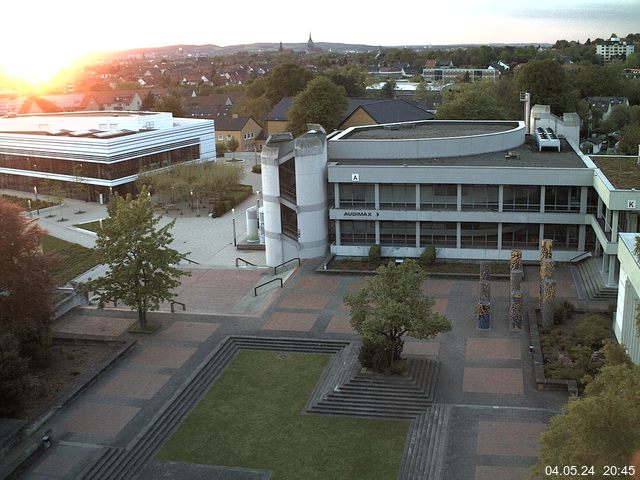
(516, 198)
(444, 234)
(245, 136)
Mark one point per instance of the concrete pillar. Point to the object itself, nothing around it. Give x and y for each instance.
(614, 226)
(605, 262)
(418, 196)
(584, 193)
(611, 278)
(378, 232)
(417, 234)
(600, 204)
(515, 310)
(499, 236)
(483, 310)
(336, 195)
(542, 195)
(338, 232)
(459, 198)
(582, 236)
(376, 194)
(271, 204)
(541, 231)
(458, 236)
(548, 303)
(500, 201)
(632, 222)
(607, 221)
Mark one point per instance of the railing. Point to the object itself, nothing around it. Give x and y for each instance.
(580, 257)
(255, 290)
(173, 303)
(190, 261)
(275, 269)
(246, 262)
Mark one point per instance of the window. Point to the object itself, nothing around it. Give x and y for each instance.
(562, 199)
(357, 195)
(289, 222)
(229, 137)
(287, 177)
(479, 235)
(480, 197)
(438, 234)
(438, 197)
(353, 232)
(102, 126)
(221, 138)
(521, 198)
(398, 233)
(565, 237)
(520, 235)
(399, 196)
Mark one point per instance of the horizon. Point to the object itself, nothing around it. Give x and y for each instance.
(469, 23)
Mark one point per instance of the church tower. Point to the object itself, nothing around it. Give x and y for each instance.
(310, 44)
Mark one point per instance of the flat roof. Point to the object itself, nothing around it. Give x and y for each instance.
(527, 155)
(622, 172)
(101, 113)
(429, 129)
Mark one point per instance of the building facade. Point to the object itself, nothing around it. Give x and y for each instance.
(614, 48)
(625, 326)
(104, 150)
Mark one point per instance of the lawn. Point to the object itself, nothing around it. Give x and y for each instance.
(253, 418)
(364, 264)
(91, 226)
(72, 259)
(24, 202)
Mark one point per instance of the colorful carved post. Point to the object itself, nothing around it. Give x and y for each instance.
(548, 302)
(546, 248)
(483, 310)
(485, 271)
(516, 260)
(547, 267)
(515, 280)
(515, 310)
(485, 291)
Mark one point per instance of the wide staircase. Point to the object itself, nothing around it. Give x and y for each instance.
(593, 282)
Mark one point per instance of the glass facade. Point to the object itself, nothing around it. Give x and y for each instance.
(521, 198)
(480, 197)
(357, 195)
(562, 199)
(287, 177)
(520, 235)
(398, 196)
(398, 234)
(289, 220)
(479, 235)
(438, 197)
(438, 234)
(565, 237)
(357, 233)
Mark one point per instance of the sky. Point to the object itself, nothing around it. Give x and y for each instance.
(41, 36)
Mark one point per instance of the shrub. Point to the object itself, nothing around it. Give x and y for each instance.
(257, 168)
(562, 312)
(383, 357)
(374, 253)
(13, 374)
(592, 331)
(428, 256)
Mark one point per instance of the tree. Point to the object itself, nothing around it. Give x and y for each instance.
(630, 140)
(353, 79)
(618, 118)
(170, 103)
(142, 270)
(13, 375)
(257, 108)
(388, 89)
(25, 283)
(546, 81)
(233, 144)
(322, 101)
(603, 427)
(475, 101)
(148, 102)
(286, 80)
(392, 304)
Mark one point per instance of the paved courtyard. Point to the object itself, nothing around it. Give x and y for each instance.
(497, 412)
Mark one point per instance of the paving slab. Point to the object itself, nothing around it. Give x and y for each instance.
(299, 322)
(493, 380)
(494, 348)
(294, 299)
(428, 348)
(324, 283)
(509, 438)
(188, 331)
(339, 324)
(135, 385)
(99, 418)
(163, 356)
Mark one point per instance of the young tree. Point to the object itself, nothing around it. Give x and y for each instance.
(322, 101)
(392, 304)
(233, 144)
(471, 101)
(25, 282)
(388, 89)
(603, 427)
(13, 376)
(142, 269)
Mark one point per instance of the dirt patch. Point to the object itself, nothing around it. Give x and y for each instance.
(70, 366)
(364, 264)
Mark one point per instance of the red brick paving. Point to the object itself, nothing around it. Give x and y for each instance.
(299, 322)
(438, 287)
(493, 348)
(163, 357)
(325, 283)
(421, 348)
(57, 464)
(441, 305)
(502, 473)
(135, 385)
(100, 326)
(100, 419)
(189, 331)
(299, 300)
(509, 438)
(339, 324)
(493, 380)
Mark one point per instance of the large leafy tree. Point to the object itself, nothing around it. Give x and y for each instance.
(392, 304)
(475, 101)
(25, 282)
(603, 427)
(286, 80)
(142, 267)
(547, 82)
(322, 101)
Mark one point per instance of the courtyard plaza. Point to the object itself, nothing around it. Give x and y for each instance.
(495, 412)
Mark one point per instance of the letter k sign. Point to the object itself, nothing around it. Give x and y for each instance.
(355, 177)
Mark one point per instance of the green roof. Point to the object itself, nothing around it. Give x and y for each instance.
(622, 172)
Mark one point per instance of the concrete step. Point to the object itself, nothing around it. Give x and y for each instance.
(364, 412)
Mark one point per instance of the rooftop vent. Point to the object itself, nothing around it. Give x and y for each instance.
(547, 138)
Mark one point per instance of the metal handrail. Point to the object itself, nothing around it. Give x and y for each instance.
(577, 258)
(189, 260)
(275, 269)
(255, 290)
(173, 302)
(247, 262)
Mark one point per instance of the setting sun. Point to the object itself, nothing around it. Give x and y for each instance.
(37, 68)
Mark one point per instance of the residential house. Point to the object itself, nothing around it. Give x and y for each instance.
(614, 48)
(244, 129)
(606, 104)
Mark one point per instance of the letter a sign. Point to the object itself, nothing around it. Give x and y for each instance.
(355, 177)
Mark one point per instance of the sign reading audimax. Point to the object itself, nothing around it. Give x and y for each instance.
(360, 213)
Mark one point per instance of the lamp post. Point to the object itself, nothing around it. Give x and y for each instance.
(35, 190)
(233, 212)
